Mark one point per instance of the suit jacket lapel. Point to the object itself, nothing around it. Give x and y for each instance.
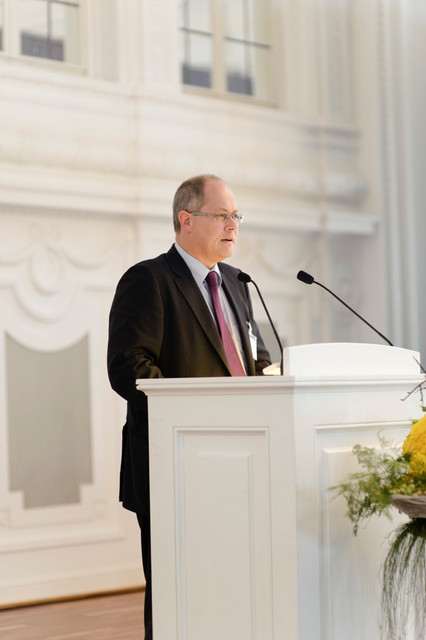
(189, 289)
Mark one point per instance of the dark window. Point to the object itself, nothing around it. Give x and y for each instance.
(49, 29)
(32, 45)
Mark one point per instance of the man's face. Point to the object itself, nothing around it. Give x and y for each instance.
(207, 239)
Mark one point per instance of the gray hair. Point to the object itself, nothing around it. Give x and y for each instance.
(190, 196)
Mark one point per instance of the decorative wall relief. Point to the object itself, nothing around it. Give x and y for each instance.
(56, 284)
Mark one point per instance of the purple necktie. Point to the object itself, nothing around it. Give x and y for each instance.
(228, 343)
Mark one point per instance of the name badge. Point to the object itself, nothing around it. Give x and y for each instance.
(253, 341)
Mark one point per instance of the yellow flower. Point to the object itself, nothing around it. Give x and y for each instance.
(415, 444)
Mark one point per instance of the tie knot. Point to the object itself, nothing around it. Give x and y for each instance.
(212, 279)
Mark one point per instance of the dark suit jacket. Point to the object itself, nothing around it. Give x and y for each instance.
(160, 326)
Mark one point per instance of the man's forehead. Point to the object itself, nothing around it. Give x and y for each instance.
(216, 189)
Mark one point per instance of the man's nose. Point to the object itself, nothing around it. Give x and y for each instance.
(231, 223)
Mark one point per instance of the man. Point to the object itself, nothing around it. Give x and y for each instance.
(165, 322)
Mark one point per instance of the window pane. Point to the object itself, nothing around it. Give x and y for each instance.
(64, 22)
(236, 19)
(33, 27)
(49, 29)
(238, 72)
(247, 50)
(248, 70)
(197, 60)
(196, 15)
(196, 42)
(247, 20)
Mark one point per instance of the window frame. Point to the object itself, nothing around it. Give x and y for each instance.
(12, 39)
(218, 69)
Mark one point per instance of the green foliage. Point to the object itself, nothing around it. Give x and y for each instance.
(369, 492)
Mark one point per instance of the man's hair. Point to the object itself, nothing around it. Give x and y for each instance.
(190, 196)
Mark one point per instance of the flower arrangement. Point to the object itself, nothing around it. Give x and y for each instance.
(387, 472)
(394, 476)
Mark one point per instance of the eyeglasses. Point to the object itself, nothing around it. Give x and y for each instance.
(223, 217)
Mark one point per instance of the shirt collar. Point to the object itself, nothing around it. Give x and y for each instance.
(198, 269)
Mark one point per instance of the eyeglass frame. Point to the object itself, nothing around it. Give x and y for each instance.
(235, 217)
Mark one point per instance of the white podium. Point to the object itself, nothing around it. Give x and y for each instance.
(247, 540)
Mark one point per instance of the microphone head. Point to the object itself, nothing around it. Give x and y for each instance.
(305, 277)
(244, 277)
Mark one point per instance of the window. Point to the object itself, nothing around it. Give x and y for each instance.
(226, 46)
(41, 28)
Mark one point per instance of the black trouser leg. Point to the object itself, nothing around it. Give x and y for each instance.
(145, 525)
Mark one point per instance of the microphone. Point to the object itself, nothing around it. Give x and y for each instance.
(244, 277)
(308, 279)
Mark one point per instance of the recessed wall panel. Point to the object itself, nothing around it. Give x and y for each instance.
(48, 413)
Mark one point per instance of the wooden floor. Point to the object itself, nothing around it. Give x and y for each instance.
(112, 617)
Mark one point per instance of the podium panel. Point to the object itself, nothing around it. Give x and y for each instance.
(223, 522)
(247, 541)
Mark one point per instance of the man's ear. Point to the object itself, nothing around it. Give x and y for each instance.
(185, 220)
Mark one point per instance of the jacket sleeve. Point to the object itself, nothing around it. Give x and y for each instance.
(135, 332)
